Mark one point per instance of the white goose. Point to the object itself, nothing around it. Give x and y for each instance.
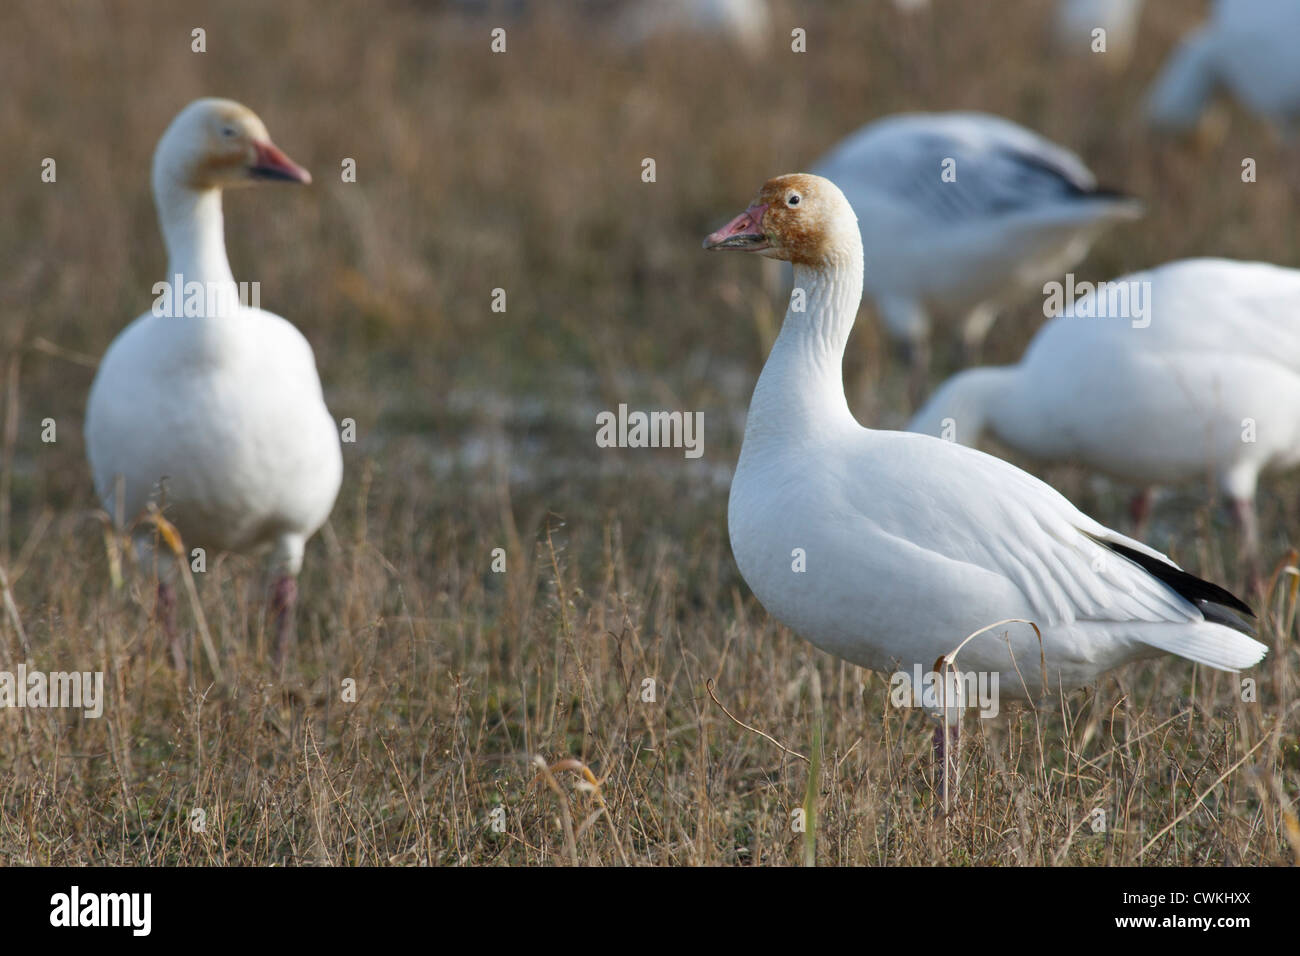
(1076, 21)
(1202, 379)
(909, 543)
(216, 416)
(746, 23)
(1247, 46)
(960, 210)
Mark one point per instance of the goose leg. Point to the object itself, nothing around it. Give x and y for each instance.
(947, 747)
(909, 325)
(1243, 510)
(918, 362)
(1139, 509)
(165, 614)
(974, 331)
(284, 600)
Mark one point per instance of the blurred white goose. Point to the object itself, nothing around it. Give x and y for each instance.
(746, 23)
(1077, 20)
(958, 211)
(888, 548)
(211, 408)
(1186, 371)
(1247, 46)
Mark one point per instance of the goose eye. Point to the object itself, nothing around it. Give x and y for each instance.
(793, 200)
(227, 131)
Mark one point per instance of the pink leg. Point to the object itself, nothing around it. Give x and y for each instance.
(165, 614)
(918, 380)
(284, 599)
(1139, 510)
(946, 750)
(1244, 513)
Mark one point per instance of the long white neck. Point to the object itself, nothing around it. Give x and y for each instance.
(970, 403)
(193, 231)
(800, 393)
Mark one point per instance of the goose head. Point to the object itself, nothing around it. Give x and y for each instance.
(801, 218)
(218, 144)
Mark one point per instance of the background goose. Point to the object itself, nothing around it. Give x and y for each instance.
(747, 23)
(1077, 19)
(908, 543)
(1210, 386)
(1246, 46)
(1020, 209)
(216, 416)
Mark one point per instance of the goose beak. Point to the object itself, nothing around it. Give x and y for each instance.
(744, 233)
(273, 164)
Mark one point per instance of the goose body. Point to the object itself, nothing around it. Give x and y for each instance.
(1076, 21)
(958, 211)
(910, 543)
(220, 420)
(1206, 384)
(208, 407)
(1246, 47)
(746, 23)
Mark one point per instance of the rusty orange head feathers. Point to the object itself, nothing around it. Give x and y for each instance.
(798, 217)
(215, 143)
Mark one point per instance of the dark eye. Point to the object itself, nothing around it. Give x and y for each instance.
(227, 131)
(793, 200)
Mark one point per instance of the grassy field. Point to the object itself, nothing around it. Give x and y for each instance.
(476, 431)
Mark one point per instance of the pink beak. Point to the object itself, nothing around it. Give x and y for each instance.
(273, 164)
(744, 233)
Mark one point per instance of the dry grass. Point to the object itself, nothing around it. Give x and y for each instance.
(475, 432)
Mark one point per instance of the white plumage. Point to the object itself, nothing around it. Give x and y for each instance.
(911, 543)
(746, 23)
(231, 421)
(1247, 47)
(1077, 20)
(959, 211)
(219, 417)
(1206, 383)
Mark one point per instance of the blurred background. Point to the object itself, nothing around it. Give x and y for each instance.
(520, 171)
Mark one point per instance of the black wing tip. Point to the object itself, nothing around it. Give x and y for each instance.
(1228, 617)
(1069, 180)
(1109, 195)
(1218, 604)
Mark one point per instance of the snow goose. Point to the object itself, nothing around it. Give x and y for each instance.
(959, 210)
(747, 23)
(208, 407)
(1188, 370)
(889, 548)
(1247, 46)
(1076, 21)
